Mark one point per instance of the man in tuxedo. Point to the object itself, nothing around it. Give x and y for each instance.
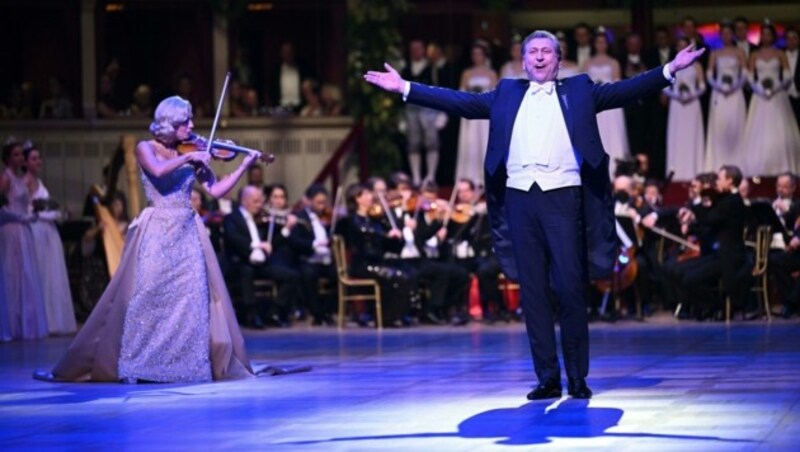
(792, 55)
(582, 50)
(661, 54)
(548, 190)
(252, 256)
(421, 122)
(286, 80)
(632, 63)
(740, 28)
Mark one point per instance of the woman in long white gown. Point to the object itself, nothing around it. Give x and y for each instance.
(727, 111)
(473, 135)
(685, 136)
(50, 253)
(21, 300)
(602, 68)
(771, 137)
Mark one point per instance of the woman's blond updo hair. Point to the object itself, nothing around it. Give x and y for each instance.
(170, 113)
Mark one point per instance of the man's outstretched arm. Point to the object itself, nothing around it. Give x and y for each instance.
(616, 95)
(459, 103)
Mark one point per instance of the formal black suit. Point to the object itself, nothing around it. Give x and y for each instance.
(727, 259)
(795, 101)
(277, 267)
(657, 116)
(537, 231)
(302, 236)
(275, 84)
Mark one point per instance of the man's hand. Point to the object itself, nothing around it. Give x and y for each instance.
(441, 234)
(395, 234)
(267, 247)
(685, 58)
(794, 243)
(389, 80)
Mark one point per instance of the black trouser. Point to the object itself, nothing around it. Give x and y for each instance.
(311, 273)
(287, 279)
(397, 287)
(781, 267)
(487, 270)
(448, 283)
(701, 275)
(548, 233)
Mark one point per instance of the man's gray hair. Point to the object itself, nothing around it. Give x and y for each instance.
(542, 34)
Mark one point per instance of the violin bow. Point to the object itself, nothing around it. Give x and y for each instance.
(222, 95)
(335, 211)
(386, 210)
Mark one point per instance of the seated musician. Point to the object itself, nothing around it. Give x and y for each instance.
(316, 261)
(629, 202)
(367, 240)
(469, 246)
(785, 261)
(253, 254)
(423, 232)
(723, 214)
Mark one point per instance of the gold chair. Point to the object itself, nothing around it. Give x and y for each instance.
(345, 283)
(760, 274)
(762, 242)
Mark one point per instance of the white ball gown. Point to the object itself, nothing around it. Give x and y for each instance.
(166, 315)
(611, 123)
(22, 302)
(685, 136)
(771, 137)
(726, 116)
(52, 268)
(473, 137)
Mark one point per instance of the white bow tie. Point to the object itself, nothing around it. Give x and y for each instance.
(546, 87)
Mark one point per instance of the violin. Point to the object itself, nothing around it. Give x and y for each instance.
(224, 150)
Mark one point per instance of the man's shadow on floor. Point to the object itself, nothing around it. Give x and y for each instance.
(534, 423)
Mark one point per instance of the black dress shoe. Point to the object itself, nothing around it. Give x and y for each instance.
(546, 390)
(578, 390)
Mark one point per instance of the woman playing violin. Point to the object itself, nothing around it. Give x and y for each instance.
(154, 321)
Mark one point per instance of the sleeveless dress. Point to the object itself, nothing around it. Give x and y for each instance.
(685, 138)
(53, 269)
(166, 315)
(771, 137)
(23, 315)
(473, 137)
(611, 123)
(726, 118)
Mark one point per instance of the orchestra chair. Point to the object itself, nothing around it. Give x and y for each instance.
(760, 286)
(346, 284)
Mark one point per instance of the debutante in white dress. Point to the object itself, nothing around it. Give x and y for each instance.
(685, 136)
(726, 115)
(52, 268)
(22, 298)
(473, 137)
(771, 137)
(611, 123)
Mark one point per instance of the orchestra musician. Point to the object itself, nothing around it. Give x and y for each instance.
(723, 213)
(469, 246)
(367, 240)
(448, 282)
(311, 233)
(785, 262)
(252, 254)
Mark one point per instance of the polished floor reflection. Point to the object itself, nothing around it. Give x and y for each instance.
(658, 385)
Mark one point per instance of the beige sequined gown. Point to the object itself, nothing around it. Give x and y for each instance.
(166, 315)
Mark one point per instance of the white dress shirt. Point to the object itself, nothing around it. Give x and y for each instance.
(663, 54)
(322, 252)
(541, 150)
(257, 255)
